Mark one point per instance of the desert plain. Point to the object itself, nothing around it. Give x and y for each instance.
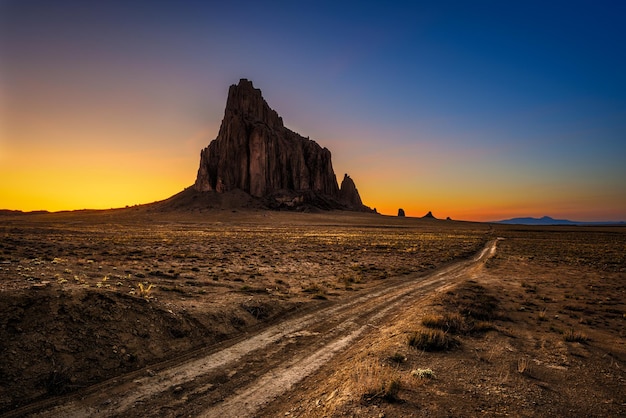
(138, 312)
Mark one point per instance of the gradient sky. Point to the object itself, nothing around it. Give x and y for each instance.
(473, 110)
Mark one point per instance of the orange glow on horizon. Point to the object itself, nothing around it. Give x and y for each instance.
(115, 187)
(96, 174)
(83, 182)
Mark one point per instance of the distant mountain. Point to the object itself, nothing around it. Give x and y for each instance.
(19, 212)
(546, 220)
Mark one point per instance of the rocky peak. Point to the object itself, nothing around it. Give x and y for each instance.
(254, 152)
(246, 102)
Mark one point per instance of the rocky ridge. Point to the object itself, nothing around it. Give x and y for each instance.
(255, 153)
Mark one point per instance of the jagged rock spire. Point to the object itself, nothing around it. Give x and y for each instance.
(348, 193)
(256, 153)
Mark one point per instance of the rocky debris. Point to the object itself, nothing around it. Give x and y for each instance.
(401, 212)
(254, 152)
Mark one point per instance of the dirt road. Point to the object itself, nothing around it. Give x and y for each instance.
(237, 378)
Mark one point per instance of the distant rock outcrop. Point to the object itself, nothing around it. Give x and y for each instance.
(348, 193)
(401, 213)
(254, 152)
(429, 215)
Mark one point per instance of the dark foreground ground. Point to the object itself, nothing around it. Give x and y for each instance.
(539, 330)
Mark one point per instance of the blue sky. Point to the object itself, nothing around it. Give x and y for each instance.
(474, 110)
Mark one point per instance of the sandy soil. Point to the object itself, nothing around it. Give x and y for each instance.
(133, 313)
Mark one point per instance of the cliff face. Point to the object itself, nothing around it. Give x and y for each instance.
(256, 153)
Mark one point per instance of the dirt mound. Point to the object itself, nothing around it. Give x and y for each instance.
(56, 341)
(191, 200)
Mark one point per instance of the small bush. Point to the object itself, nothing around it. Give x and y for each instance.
(258, 310)
(58, 382)
(397, 358)
(449, 322)
(542, 315)
(432, 340)
(455, 323)
(523, 365)
(390, 390)
(478, 327)
(423, 373)
(377, 381)
(575, 336)
(144, 291)
(314, 288)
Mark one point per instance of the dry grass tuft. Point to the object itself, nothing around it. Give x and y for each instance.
(431, 340)
(575, 336)
(377, 381)
(523, 365)
(397, 358)
(448, 322)
(542, 315)
(144, 291)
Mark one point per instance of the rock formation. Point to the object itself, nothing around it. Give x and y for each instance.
(348, 193)
(254, 152)
(401, 212)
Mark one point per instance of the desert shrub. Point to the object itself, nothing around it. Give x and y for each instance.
(58, 382)
(175, 289)
(431, 340)
(144, 290)
(423, 373)
(251, 289)
(529, 288)
(377, 381)
(257, 310)
(390, 389)
(455, 323)
(542, 315)
(177, 332)
(523, 365)
(575, 336)
(397, 358)
(478, 327)
(472, 301)
(449, 322)
(313, 288)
